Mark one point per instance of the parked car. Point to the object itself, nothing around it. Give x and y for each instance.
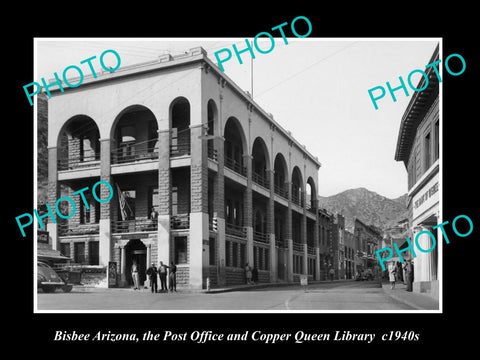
(49, 281)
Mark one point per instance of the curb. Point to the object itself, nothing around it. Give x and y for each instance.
(265, 285)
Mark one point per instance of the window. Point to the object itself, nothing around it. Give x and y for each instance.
(235, 255)
(437, 141)
(227, 253)
(153, 201)
(79, 252)
(84, 213)
(243, 259)
(93, 247)
(212, 251)
(427, 152)
(181, 250)
(65, 249)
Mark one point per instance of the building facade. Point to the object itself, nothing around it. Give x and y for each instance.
(367, 241)
(201, 176)
(418, 146)
(327, 243)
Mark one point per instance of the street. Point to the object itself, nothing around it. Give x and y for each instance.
(344, 295)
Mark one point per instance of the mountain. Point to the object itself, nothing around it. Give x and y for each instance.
(368, 206)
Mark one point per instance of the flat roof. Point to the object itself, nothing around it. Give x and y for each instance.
(197, 54)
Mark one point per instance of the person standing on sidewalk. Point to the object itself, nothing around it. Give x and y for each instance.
(172, 280)
(248, 273)
(392, 269)
(409, 274)
(152, 275)
(162, 273)
(135, 276)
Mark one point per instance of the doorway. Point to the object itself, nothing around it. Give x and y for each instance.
(136, 251)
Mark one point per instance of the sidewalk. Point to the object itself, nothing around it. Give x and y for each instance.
(416, 300)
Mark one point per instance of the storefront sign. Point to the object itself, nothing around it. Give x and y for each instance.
(426, 195)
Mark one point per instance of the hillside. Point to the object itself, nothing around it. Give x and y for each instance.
(368, 206)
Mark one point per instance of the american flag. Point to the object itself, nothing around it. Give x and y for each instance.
(123, 204)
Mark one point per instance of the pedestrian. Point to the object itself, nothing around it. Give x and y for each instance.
(152, 275)
(172, 281)
(162, 273)
(392, 269)
(254, 275)
(409, 274)
(398, 272)
(135, 276)
(154, 219)
(248, 273)
(332, 274)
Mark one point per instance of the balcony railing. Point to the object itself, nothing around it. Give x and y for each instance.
(78, 162)
(135, 151)
(296, 199)
(235, 230)
(311, 250)
(260, 237)
(260, 180)
(297, 247)
(180, 221)
(134, 225)
(212, 152)
(280, 191)
(78, 229)
(180, 149)
(235, 166)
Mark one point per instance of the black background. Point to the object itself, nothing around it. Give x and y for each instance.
(438, 332)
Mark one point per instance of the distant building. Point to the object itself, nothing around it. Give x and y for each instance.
(418, 146)
(327, 242)
(367, 241)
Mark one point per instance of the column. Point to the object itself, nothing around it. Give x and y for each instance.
(105, 243)
(423, 261)
(271, 227)
(164, 194)
(219, 210)
(248, 209)
(123, 266)
(303, 234)
(316, 240)
(288, 234)
(199, 232)
(53, 195)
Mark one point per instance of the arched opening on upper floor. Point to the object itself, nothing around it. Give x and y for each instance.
(311, 194)
(134, 135)
(234, 146)
(297, 189)
(280, 177)
(212, 124)
(260, 163)
(180, 125)
(78, 143)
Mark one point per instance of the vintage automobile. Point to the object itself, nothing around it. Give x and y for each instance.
(48, 280)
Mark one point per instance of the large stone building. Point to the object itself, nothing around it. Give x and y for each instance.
(418, 146)
(201, 176)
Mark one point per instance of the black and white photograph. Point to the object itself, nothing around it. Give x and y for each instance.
(277, 180)
(175, 177)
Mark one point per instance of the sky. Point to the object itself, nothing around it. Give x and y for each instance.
(316, 88)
